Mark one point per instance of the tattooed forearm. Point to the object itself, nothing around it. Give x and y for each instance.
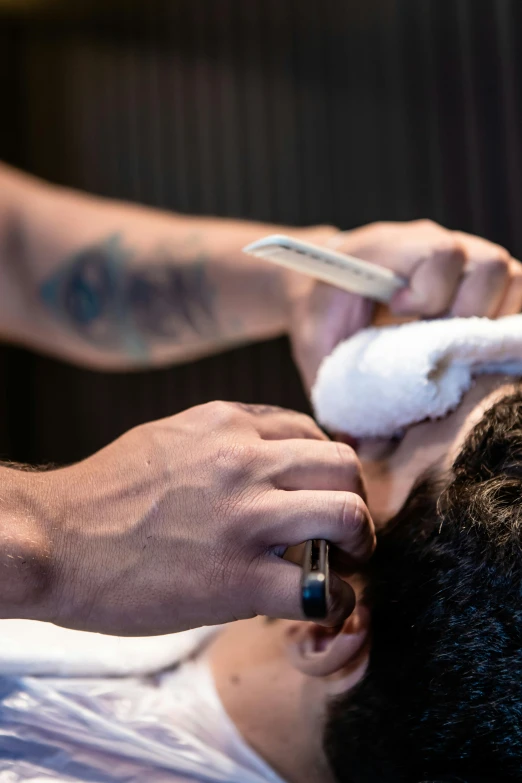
(105, 296)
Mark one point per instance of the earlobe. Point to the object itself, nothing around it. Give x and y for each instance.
(320, 652)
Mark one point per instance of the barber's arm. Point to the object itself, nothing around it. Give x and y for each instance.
(183, 522)
(180, 523)
(118, 286)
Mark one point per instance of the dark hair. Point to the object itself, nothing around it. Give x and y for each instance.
(442, 697)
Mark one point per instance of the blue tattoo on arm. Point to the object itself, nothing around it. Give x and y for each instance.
(116, 305)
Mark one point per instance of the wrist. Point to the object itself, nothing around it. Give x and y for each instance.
(26, 546)
(255, 297)
(317, 235)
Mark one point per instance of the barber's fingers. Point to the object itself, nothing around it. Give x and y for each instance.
(279, 592)
(462, 275)
(486, 279)
(268, 421)
(307, 464)
(274, 423)
(511, 304)
(340, 517)
(434, 281)
(481, 291)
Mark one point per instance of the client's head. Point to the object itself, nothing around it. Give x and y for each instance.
(424, 681)
(442, 695)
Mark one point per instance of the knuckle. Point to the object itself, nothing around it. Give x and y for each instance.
(447, 250)
(305, 418)
(377, 231)
(496, 268)
(435, 299)
(221, 413)
(354, 517)
(303, 426)
(308, 425)
(425, 223)
(351, 513)
(515, 266)
(347, 459)
(516, 282)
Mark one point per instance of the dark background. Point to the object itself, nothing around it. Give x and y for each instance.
(299, 111)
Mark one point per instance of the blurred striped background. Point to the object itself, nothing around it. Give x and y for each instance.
(298, 111)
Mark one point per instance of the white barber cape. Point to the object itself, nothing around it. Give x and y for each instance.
(83, 707)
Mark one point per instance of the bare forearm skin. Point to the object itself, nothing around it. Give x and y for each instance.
(118, 286)
(26, 546)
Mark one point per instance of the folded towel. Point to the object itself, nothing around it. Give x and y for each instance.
(383, 379)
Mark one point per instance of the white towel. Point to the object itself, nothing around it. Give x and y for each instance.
(383, 379)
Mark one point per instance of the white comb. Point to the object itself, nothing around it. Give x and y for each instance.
(351, 274)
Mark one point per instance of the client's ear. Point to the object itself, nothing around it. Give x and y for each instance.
(318, 651)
